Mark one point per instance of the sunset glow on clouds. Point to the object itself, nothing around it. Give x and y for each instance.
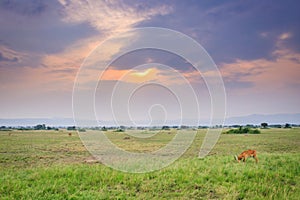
(43, 44)
(280, 72)
(134, 76)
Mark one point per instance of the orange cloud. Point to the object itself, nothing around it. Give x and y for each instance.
(285, 36)
(130, 75)
(272, 75)
(113, 74)
(163, 75)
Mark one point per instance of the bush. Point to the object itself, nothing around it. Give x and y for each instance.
(165, 128)
(119, 130)
(243, 130)
(71, 128)
(255, 131)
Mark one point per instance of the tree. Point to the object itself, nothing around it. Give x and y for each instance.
(71, 128)
(165, 128)
(40, 127)
(264, 125)
(184, 127)
(287, 125)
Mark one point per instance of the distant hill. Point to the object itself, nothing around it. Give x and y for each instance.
(255, 119)
(35, 121)
(270, 119)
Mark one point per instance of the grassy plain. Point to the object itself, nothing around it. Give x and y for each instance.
(52, 165)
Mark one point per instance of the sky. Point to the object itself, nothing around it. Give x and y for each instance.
(254, 44)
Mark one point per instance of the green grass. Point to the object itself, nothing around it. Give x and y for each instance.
(50, 165)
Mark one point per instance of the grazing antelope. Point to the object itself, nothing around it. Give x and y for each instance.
(244, 155)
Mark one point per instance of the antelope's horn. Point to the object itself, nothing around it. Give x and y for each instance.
(235, 157)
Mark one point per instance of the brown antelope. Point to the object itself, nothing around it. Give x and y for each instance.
(244, 155)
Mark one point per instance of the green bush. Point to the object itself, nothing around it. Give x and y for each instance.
(243, 130)
(119, 130)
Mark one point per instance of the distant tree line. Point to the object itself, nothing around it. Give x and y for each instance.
(245, 129)
(287, 125)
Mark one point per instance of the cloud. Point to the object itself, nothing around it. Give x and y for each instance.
(132, 75)
(107, 18)
(5, 59)
(153, 72)
(36, 27)
(235, 29)
(285, 36)
(111, 16)
(139, 57)
(58, 36)
(16, 60)
(12, 58)
(28, 8)
(263, 75)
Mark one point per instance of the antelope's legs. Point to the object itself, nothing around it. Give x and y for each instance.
(256, 159)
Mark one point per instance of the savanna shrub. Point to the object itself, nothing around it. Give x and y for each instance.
(243, 130)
